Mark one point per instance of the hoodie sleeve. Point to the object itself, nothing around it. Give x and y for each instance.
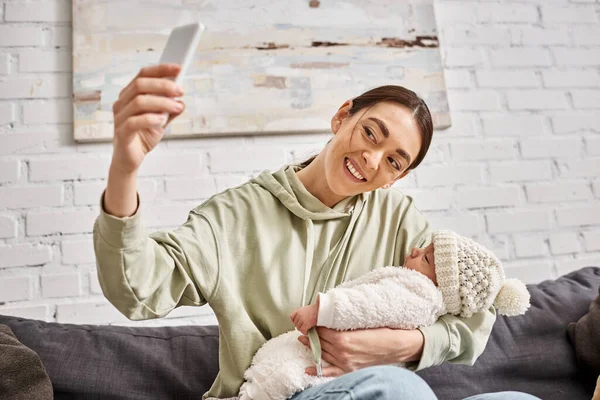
(457, 340)
(393, 298)
(147, 275)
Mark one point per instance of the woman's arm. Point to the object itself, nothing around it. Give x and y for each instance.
(138, 113)
(146, 276)
(457, 340)
(453, 339)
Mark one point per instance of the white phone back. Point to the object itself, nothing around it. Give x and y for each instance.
(181, 46)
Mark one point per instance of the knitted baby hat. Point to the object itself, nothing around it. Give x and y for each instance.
(471, 278)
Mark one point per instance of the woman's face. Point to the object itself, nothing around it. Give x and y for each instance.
(371, 149)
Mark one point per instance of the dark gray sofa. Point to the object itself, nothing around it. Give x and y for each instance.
(530, 353)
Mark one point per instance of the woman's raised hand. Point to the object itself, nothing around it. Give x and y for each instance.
(139, 114)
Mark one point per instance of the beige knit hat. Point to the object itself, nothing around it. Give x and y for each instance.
(471, 278)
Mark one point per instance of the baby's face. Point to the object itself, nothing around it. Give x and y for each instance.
(421, 260)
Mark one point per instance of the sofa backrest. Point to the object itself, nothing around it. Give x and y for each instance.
(529, 353)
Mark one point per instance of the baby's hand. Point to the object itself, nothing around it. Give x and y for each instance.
(305, 317)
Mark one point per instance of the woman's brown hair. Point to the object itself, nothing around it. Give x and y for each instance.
(405, 97)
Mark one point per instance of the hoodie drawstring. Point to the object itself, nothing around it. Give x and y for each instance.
(310, 249)
(313, 337)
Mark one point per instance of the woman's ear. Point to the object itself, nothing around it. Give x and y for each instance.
(340, 116)
(402, 175)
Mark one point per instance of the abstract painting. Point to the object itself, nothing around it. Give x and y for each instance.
(261, 67)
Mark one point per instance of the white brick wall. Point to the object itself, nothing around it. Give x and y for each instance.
(569, 14)
(20, 255)
(16, 35)
(564, 242)
(15, 288)
(9, 171)
(519, 169)
(592, 240)
(532, 219)
(7, 113)
(537, 36)
(576, 57)
(530, 246)
(8, 227)
(50, 11)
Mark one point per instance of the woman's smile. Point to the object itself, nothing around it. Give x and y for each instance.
(353, 171)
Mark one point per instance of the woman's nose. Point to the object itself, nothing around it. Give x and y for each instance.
(372, 159)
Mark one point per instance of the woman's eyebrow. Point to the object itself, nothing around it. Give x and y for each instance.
(386, 133)
(382, 126)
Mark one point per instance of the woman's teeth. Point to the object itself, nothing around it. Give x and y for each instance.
(354, 172)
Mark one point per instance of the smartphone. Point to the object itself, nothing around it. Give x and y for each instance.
(180, 48)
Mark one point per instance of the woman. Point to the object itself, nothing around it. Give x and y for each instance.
(259, 251)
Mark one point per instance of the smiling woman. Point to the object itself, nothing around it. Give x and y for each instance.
(257, 252)
(377, 136)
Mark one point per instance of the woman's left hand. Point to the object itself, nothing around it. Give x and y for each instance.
(349, 351)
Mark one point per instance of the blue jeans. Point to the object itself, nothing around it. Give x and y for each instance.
(387, 382)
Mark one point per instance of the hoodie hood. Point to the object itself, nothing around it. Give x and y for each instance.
(287, 188)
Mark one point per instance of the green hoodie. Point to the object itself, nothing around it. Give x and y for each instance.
(257, 252)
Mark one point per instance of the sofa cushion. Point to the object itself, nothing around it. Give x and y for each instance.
(113, 362)
(529, 353)
(585, 337)
(22, 375)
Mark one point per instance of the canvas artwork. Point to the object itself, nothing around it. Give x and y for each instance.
(261, 67)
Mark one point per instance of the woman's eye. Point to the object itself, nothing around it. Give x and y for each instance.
(394, 163)
(369, 134)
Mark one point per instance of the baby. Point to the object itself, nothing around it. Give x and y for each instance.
(452, 275)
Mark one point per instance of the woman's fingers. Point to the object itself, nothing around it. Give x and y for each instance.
(330, 358)
(333, 369)
(327, 349)
(332, 348)
(160, 70)
(153, 71)
(145, 103)
(140, 86)
(329, 371)
(327, 346)
(138, 122)
(175, 114)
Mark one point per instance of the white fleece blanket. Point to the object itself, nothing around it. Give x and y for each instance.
(394, 297)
